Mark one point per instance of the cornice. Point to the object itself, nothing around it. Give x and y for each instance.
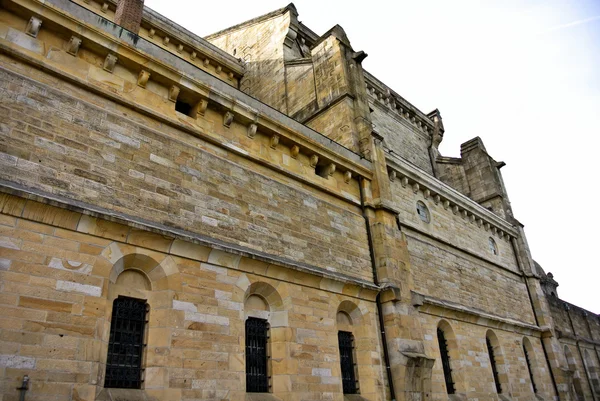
(179, 39)
(409, 175)
(234, 104)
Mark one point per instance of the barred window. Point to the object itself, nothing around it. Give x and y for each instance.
(529, 368)
(346, 340)
(126, 343)
(443, 344)
(493, 363)
(257, 379)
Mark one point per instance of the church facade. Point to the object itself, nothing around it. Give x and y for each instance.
(252, 215)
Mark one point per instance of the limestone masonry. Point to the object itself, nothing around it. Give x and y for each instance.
(252, 216)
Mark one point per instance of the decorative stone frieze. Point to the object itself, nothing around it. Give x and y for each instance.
(109, 62)
(33, 26)
(73, 45)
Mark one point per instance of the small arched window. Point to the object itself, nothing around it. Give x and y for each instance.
(257, 379)
(492, 356)
(493, 246)
(423, 212)
(443, 344)
(528, 360)
(126, 343)
(346, 346)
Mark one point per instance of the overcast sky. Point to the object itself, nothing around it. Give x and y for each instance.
(522, 75)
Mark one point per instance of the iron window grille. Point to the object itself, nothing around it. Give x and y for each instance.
(126, 343)
(529, 368)
(257, 379)
(346, 344)
(493, 362)
(443, 344)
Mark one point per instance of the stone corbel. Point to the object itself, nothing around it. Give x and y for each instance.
(151, 32)
(486, 226)
(495, 230)
(228, 119)
(455, 209)
(109, 62)
(33, 27)
(479, 222)
(200, 107)
(472, 218)
(166, 40)
(392, 175)
(274, 141)
(143, 78)
(501, 234)
(252, 130)
(446, 204)
(230, 75)
(193, 55)
(73, 45)
(437, 199)
(218, 69)
(416, 188)
(314, 159)
(465, 214)
(206, 62)
(174, 93)
(404, 182)
(104, 7)
(347, 176)
(426, 193)
(330, 169)
(180, 48)
(294, 151)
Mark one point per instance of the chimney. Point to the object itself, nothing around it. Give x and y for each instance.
(129, 14)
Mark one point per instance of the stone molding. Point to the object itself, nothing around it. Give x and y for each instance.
(409, 175)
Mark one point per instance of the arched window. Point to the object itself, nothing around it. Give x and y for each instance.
(443, 344)
(492, 356)
(257, 379)
(346, 345)
(126, 343)
(527, 349)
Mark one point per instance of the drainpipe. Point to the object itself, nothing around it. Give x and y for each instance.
(587, 374)
(23, 388)
(513, 242)
(386, 355)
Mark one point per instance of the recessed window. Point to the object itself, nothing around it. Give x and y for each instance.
(126, 343)
(183, 107)
(423, 212)
(493, 246)
(346, 345)
(257, 379)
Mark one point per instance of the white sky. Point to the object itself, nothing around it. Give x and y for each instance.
(523, 75)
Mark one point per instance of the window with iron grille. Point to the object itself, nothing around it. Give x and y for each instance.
(493, 362)
(126, 343)
(529, 368)
(445, 361)
(346, 345)
(257, 379)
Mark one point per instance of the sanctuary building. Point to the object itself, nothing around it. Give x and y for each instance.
(253, 216)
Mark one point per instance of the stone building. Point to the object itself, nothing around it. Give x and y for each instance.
(252, 215)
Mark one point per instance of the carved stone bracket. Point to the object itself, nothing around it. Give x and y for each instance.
(294, 151)
(73, 45)
(347, 176)
(109, 62)
(228, 119)
(143, 77)
(33, 27)
(174, 93)
(200, 107)
(252, 130)
(274, 141)
(314, 159)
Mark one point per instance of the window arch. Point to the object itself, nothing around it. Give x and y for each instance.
(530, 361)
(348, 314)
(493, 348)
(445, 356)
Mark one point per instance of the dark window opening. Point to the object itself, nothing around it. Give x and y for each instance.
(183, 107)
(529, 369)
(322, 170)
(126, 343)
(346, 340)
(445, 361)
(257, 380)
(493, 362)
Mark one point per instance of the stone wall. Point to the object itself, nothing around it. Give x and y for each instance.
(61, 270)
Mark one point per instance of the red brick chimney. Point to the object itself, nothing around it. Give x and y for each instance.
(129, 14)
